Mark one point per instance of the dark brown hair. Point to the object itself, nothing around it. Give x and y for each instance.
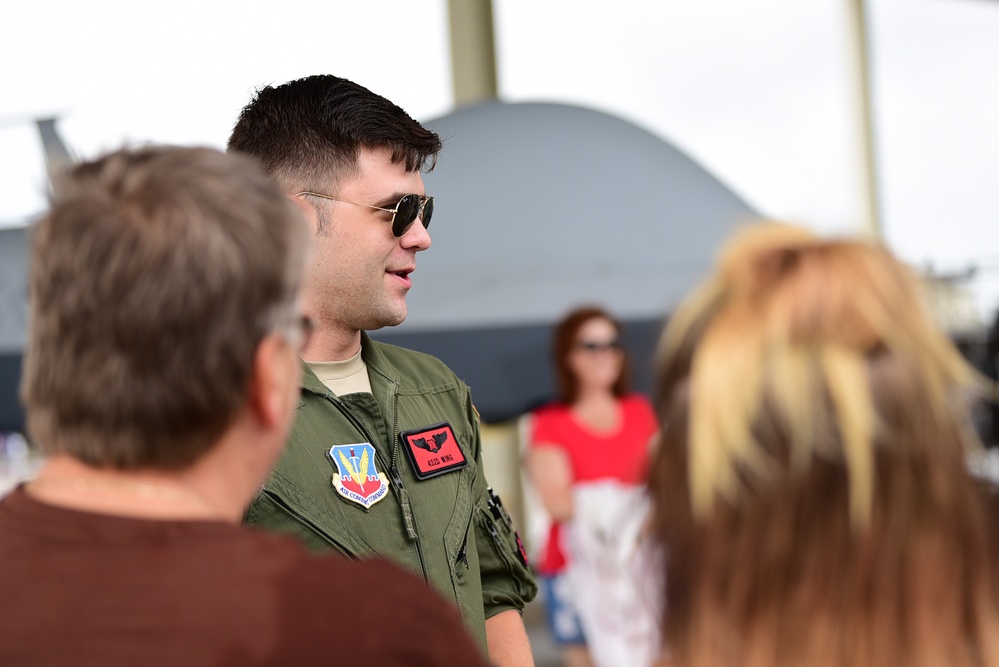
(153, 278)
(307, 133)
(811, 489)
(564, 342)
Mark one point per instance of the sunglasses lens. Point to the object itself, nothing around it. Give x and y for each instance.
(408, 209)
(428, 211)
(590, 346)
(405, 212)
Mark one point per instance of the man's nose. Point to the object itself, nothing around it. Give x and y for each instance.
(416, 236)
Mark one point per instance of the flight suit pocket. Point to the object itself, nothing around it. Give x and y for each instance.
(460, 548)
(461, 558)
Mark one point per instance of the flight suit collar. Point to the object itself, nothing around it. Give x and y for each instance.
(374, 359)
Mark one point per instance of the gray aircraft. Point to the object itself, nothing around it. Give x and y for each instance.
(539, 208)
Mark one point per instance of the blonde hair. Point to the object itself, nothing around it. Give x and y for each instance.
(812, 477)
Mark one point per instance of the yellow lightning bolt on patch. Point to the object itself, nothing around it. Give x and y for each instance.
(364, 469)
(350, 469)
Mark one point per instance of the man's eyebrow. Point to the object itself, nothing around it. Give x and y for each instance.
(389, 201)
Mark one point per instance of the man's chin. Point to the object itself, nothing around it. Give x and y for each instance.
(389, 320)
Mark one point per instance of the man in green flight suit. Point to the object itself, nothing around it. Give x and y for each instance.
(384, 457)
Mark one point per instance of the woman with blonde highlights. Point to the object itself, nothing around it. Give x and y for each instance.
(811, 490)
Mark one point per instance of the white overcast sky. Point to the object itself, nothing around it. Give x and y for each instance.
(758, 91)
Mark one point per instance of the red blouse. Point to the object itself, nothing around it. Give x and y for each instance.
(621, 454)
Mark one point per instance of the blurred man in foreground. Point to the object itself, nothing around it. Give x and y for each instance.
(160, 377)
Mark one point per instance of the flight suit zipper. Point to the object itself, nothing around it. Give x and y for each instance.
(409, 521)
(408, 516)
(463, 551)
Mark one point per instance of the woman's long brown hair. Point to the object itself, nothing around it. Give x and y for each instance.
(811, 489)
(563, 343)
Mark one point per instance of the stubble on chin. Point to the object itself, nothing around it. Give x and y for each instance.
(382, 315)
(396, 317)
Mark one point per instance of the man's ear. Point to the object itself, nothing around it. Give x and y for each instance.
(309, 212)
(274, 376)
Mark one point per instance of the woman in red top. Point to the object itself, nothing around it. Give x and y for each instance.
(594, 440)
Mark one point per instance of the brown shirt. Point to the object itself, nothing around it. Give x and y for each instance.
(88, 589)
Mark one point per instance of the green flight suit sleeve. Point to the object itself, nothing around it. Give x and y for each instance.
(507, 581)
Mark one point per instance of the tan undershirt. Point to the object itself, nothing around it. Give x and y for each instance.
(343, 377)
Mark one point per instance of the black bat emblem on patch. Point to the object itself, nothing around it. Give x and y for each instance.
(438, 440)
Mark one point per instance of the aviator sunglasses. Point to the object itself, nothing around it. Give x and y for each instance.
(403, 215)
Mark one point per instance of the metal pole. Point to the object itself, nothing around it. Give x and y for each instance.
(473, 51)
(57, 156)
(860, 66)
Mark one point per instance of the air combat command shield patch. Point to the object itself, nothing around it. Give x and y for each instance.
(356, 478)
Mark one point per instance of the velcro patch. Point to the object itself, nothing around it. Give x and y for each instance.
(433, 450)
(357, 478)
(521, 551)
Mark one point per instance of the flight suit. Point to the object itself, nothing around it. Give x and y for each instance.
(447, 526)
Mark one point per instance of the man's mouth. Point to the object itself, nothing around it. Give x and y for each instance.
(403, 276)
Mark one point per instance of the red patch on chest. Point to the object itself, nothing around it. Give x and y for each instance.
(433, 450)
